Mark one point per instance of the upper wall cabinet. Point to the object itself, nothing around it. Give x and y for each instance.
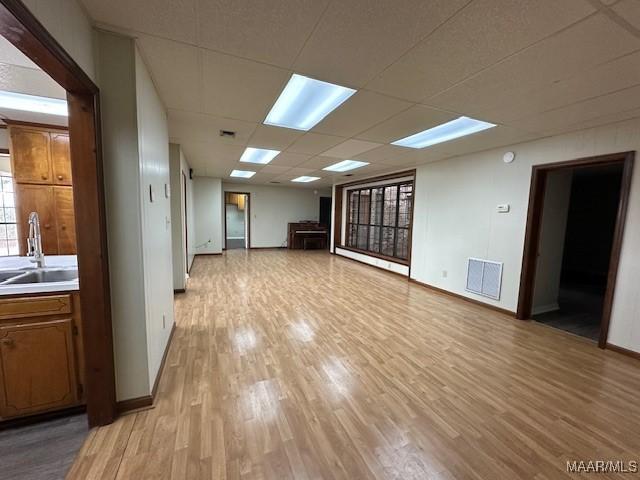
(60, 158)
(31, 155)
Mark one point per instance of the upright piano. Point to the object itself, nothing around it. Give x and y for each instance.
(307, 235)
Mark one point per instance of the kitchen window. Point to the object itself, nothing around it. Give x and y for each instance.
(8, 227)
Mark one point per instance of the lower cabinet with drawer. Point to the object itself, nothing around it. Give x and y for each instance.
(41, 361)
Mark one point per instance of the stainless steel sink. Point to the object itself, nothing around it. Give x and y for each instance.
(7, 275)
(43, 276)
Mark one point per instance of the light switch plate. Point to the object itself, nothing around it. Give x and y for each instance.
(504, 208)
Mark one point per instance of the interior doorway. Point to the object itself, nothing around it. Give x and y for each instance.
(237, 220)
(576, 219)
(325, 212)
(22, 30)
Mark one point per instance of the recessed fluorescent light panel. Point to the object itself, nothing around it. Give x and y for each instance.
(345, 165)
(242, 173)
(33, 103)
(457, 128)
(304, 102)
(305, 179)
(258, 155)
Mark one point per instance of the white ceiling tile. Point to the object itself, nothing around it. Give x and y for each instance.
(577, 50)
(275, 169)
(565, 118)
(29, 81)
(485, 140)
(174, 19)
(175, 68)
(272, 32)
(290, 159)
(314, 143)
(408, 122)
(369, 36)
(185, 127)
(362, 111)
(350, 148)
(480, 35)
(238, 88)
(12, 56)
(381, 154)
(629, 10)
(278, 138)
(319, 162)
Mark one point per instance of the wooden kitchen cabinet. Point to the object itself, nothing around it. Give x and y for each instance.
(41, 199)
(65, 220)
(60, 158)
(40, 354)
(41, 165)
(30, 155)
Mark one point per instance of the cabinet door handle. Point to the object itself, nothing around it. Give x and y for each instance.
(44, 177)
(47, 226)
(60, 177)
(64, 227)
(8, 342)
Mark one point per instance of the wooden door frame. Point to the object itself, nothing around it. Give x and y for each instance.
(248, 226)
(186, 221)
(20, 27)
(534, 220)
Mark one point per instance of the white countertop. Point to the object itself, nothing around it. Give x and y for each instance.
(51, 261)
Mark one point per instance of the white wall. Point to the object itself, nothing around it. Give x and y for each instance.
(208, 207)
(153, 145)
(135, 156)
(68, 23)
(178, 166)
(272, 208)
(116, 77)
(455, 218)
(551, 248)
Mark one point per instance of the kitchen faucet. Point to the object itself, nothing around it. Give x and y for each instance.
(34, 242)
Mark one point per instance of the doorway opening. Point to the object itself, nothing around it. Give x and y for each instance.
(576, 219)
(237, 220)
(325, 212)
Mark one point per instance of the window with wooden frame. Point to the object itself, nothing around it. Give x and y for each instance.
(8, 227)
(379, 219)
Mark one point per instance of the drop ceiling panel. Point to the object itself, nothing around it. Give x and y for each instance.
(576, 50)
(485, 140)
(362, 111)
(609, 77)
(174, 19)
(350, 148)
(176, 71)
(480, 35)
(381, 154)
(275, 169)
(566, 118)
(369, 36)
(314, 143)
(319, 162)
(276, 138)
(629, 10)
(408, 122)
(186, 127)
(272, 32)
(290, 159)
(12, 56)
(29, 81)
(238, 88)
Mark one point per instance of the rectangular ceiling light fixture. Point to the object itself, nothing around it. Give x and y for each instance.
(304, 102)
(305, 179)
(33, 103)
(457, 128)
(242, 173)
(258, 155)
(345, 165)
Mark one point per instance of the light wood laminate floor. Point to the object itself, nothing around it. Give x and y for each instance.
(303, 365)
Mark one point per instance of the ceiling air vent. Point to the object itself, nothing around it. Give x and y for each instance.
(274, 182)
(484, 277)
(228, 133)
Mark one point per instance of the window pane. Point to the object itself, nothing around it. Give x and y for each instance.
(3, 247)
(363, 232)
(390, 202)
(8, 199)
(13, 247)
(374, 239)
(12, 231)
(388, 238)
(353, 206)
(9, 215)
(365, 205)
(377, 198)
(406, 199)
(402, 247)
(352, 240)
(7, 184)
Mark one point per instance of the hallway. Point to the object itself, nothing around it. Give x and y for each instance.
(291, 364)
